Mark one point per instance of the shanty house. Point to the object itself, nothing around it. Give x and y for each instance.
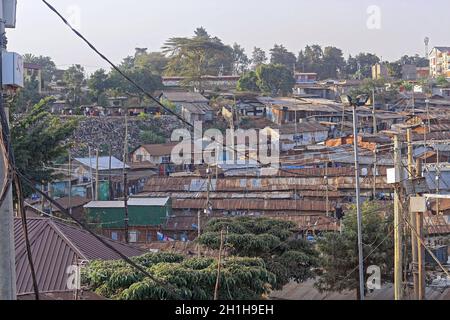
(301, 134)
(56, 249)
(146, 215)
(191, 105)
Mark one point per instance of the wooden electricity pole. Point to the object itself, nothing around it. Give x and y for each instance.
(412, 217)
(398, 225)
(125, 201)
(420, 257)
(97, 181)
(219, 264)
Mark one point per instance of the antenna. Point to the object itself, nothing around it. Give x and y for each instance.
(426, 41)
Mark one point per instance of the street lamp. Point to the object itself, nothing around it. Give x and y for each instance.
(360, 100)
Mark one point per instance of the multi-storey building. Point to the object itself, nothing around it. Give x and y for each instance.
(440, 62)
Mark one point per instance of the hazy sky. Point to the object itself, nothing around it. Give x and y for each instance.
(117, 27)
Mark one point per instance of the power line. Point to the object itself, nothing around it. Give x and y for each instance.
(127, 260)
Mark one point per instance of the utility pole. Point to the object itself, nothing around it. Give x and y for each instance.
(125, 201)
(398, 272)
(327, 198)
(7, 250)
(438, 179)
(70, 183)
(375, 160)
(111, 197)
(125, 176)
(49, 192)
(219, 265)
(374, 115)
(97, 181)
(412, 216)
(199, 231)
(358, 204)
(420, 256)
(91, 174)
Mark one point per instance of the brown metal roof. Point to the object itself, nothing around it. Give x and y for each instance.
(75, 202)
(56, 246)
(253, 204)
(157, 150)
(189, 184)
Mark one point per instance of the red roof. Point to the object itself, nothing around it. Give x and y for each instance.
(55, 246)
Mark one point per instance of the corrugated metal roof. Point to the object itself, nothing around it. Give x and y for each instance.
(180, 96)
(103, 163)
(253, 204)
(187, 184)
(56, 246)
(131, 202)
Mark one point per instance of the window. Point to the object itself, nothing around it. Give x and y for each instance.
(139, 158)
(114, 236)
(149, 236)
(133, 236)
(165, 159)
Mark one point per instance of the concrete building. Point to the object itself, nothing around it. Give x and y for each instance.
(440, 62)
(380, 71)
(34, 72)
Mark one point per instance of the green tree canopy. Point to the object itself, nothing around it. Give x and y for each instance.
(271, 240)
(339, 251)
(361, 65)
(275, 79)
(280, 55)
(248, 82)
(38, 138)
(187, 279)
(240, 59)
(74, 78)
(98, 84)
(258, 57)
(156, 62)
(198, 56)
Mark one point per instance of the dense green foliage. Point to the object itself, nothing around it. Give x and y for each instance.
(339, 255)
(179, 278)
(280, 55)
(74, 79)
(248, 82)
(198, 56)
(271, 240)
(38, 138)
(258, 57)
(275, 79)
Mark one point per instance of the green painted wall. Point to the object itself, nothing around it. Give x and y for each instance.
(112, 218)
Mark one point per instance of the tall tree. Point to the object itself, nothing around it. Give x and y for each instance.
(258, 57)
(268, 239)
(142, 76)
(275, 79)
(38, 139)
(156, 62)
(280, 55)
(310, 59)
(240, 59)
(74, 78)
(364, 64)
(248, 82)
(98, 83)
(333, 63)
(339, 254)
(198, 56)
